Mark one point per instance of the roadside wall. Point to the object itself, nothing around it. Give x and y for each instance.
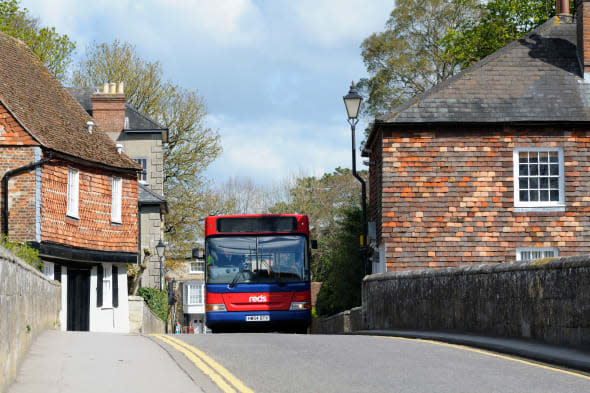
(142, 319)
(29, 304)
(547, 300)
(344, 322)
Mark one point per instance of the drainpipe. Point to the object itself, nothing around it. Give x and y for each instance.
(6, 177)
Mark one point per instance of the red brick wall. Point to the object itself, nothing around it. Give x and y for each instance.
(447, 196)
(94, 228)
(583, 33)
(108, 110)
(16, 150)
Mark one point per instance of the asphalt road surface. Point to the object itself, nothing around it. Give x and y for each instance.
(320, 363)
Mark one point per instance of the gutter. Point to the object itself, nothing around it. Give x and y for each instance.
(6, 178)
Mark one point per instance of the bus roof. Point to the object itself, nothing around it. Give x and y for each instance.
(255, 224)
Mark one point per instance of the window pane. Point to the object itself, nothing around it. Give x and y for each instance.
(523, 157)
(523, 170)
(554, 182)
(534, 196)
(524, 196)
(554, 169)
(549, 254)
(523, 183)
(553, 156)
(534, 183)
(554, 194)
(544, 169)
(525, 255)
(543, 157)
(534, 170)
(544, 182)
(533, 157)
(544, 194)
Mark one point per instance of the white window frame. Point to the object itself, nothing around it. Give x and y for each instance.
(49, 270)
(520, 250)
(117, 201)
(107, 285)
(73, 194)
(200, 289)
(144, 172)
(200, 266)
(538, 204)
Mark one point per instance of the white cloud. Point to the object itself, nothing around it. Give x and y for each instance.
(268, 150)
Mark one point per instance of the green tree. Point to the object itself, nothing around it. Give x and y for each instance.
(341, 288)
(323, 200)
(191, 146)
(501, 22)
(54, 50)
(409, 57)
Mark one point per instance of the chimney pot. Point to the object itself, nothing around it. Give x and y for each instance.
(113, 87)
(119, 148)
(120, 88)
(90, 124)
(105, 88)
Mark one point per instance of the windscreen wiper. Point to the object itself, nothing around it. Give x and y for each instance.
(235, 279)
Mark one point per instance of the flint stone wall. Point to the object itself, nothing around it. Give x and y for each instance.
(546, 299)
(29, 304)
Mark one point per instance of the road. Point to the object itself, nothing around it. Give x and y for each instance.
(92, 362)
(315, 363)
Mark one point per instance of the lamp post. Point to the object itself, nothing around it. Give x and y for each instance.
(160, 250)
(352, 102)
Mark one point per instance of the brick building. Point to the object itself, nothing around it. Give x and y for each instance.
(142, 139)
(493, 164)
(67, 191)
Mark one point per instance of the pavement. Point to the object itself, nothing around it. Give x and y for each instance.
(567, 357)
(68, 362)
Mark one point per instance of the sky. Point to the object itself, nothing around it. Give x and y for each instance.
(272, 72)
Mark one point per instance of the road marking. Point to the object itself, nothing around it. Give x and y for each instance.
(492, 354)
(209, 366)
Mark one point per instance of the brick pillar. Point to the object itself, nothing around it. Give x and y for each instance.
(108, 108)
(583, 36)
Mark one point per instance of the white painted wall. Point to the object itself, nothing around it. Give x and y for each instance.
(63, 314)
(109, 319)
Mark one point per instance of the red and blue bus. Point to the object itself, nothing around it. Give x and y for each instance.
(257, 273)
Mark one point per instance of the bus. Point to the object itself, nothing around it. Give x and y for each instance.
(257, 272)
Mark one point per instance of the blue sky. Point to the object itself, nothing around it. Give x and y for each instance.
(272, 72)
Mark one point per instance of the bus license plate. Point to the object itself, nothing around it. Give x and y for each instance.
(257, 318)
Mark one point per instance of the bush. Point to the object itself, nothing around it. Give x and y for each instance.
(23, 251)
(156, 300)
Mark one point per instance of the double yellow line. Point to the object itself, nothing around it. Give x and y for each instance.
(219, 375)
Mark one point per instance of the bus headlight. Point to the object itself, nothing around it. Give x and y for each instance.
(215, 307)
(298, 306)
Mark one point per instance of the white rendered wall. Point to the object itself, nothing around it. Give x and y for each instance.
(63, 314)
(110, 319)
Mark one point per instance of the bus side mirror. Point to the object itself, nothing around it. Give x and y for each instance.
(314, 244)
(198, 253)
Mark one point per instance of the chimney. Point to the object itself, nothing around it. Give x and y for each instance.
(562, 7)
(108, 107)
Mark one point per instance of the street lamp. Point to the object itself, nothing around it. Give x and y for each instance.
(352, 102)
(160, 250)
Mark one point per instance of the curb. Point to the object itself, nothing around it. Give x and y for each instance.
(566, 357)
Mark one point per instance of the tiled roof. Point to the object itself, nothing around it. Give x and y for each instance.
(137, 120)
(48, 111)
(536, 78)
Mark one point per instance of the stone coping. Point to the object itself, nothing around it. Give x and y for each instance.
(10, 257)
(490, 268)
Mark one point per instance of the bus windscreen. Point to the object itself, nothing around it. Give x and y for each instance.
(256, 259)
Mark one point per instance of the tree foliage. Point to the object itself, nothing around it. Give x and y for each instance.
(54, 50)
(409, 57)
(341, 288)
(23, 251)
(428, 41)
(501, 22)
(191, 146)
(156, 300)
(323, 200)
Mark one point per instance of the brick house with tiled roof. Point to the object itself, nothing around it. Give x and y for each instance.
(67, 191)
(143, 140)
(493, 164)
